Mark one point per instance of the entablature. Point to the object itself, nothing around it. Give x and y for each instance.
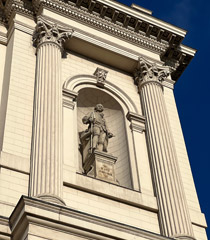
(130, 24)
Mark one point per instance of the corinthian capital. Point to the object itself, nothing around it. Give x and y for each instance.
(149, 72)
(49, 32)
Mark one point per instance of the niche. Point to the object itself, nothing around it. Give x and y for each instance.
(115, 118)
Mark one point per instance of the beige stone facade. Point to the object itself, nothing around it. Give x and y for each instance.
(50, 52)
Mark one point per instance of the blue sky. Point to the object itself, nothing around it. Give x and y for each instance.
(192, 89)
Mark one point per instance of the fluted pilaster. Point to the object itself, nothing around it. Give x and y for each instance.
(46, 174)
(173, 211)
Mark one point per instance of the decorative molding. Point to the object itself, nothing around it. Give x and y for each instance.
(2, 15)
(101, 75)
(5, 231)
(103, 24)
(25, 7)
(169, 83)
(69, 98)
(104, 43)
(147, 72)
(29, 210)
(137, 122)
(126, 23)
(46, 32)
(19, 26)
(3, 38)
(15, 163)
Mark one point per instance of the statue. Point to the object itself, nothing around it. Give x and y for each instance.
(97, 132)
(94, 142)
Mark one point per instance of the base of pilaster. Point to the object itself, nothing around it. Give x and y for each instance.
(183, 237)
(51, 198)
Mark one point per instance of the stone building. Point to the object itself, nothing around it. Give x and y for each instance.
(58, 60)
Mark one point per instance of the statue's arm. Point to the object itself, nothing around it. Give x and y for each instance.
(88, 119)
(109, 134)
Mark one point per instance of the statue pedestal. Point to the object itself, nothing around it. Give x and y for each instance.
(102, 166)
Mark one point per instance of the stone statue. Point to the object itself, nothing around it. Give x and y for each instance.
(97, 132)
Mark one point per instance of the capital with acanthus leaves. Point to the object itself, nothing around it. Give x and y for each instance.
(149, 72)
(50, 32)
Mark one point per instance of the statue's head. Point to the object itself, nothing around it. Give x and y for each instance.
(99, 108)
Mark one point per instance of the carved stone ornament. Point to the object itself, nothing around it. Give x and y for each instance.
(47, 32)
(149, 72)
(101, 75)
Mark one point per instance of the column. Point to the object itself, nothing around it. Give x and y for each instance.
(46, 172)
(173, 210)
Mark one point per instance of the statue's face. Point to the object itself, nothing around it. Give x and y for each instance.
(99, 108)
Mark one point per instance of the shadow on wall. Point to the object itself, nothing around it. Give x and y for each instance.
(114, 115)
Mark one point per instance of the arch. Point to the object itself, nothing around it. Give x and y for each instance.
(77, 82)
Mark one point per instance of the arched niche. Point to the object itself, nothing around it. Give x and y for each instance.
(115, 117)
(80, 95)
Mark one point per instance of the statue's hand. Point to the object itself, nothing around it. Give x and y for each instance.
(91, 119)
(110, 135)
(85, 120)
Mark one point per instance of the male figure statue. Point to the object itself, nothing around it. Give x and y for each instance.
(98, 128)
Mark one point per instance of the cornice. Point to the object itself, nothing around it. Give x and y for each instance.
(5, 232)
(137, 122)
(3, 38)
(22, 6)
(103, 24)
(104, 43)
(53, 216)
(119, 20)
(177, 58)
(69, 98)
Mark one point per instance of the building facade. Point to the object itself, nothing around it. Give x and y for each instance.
(59, 59)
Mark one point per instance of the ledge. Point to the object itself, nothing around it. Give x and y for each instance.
(57, 221)
(5, 232)
(15, 163)
(109, 190)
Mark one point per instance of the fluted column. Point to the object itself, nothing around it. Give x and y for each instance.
(173, 210)
(46, 172)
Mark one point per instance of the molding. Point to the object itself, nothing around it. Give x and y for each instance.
(138, 28)
(19, 26)
(62, 219)
(5, 232)
(109, 190)
(103, 43)
(73, 82)
(111, 8)
(198, 218)
(137, 122)
(15, 163)
(13, 6)
(114, 47)
(169, 83)
(103, 24)
(3, 38)
(69, 98)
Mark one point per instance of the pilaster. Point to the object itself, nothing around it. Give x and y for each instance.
(137, 126)
(173, 211)
(46, 177)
